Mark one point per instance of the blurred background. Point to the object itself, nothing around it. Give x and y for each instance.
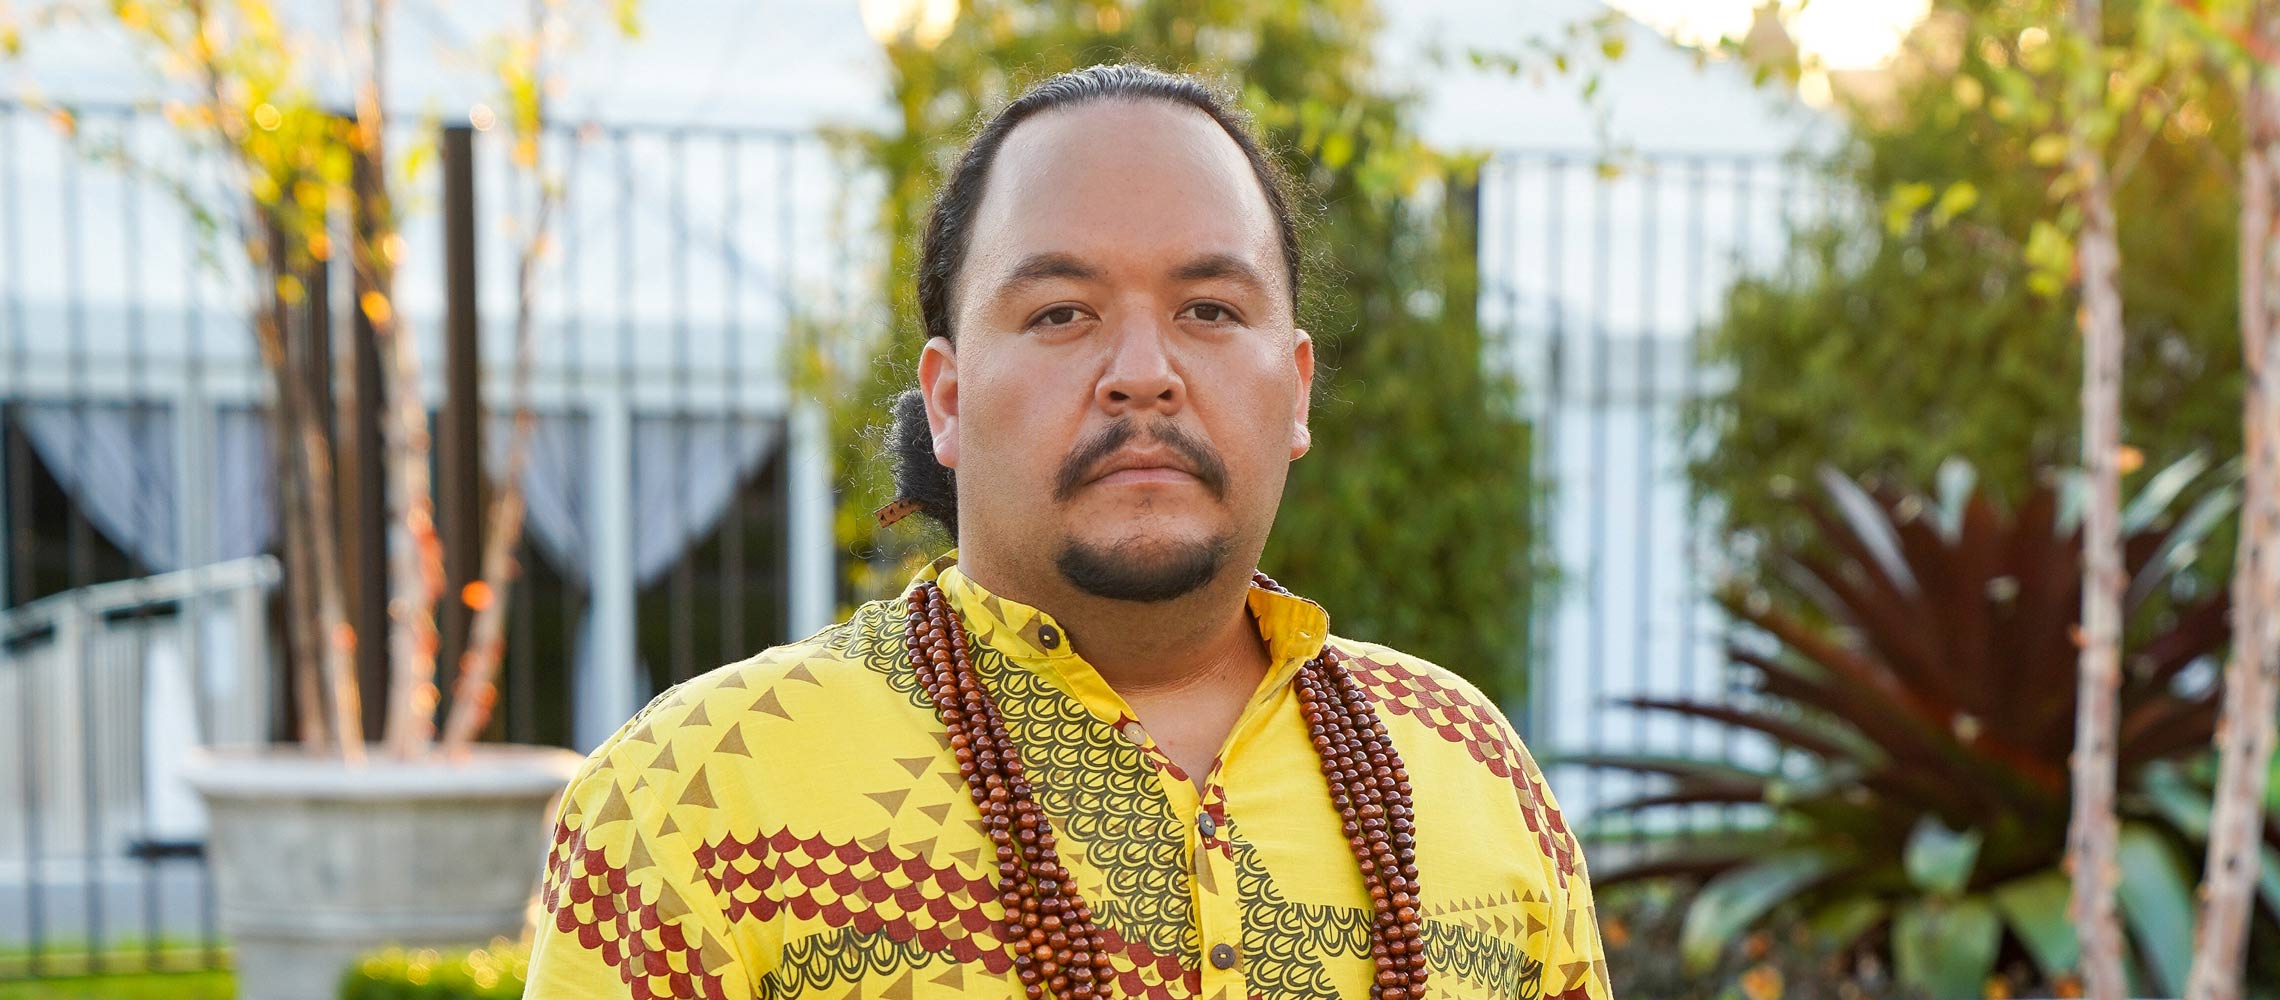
(1672, 348)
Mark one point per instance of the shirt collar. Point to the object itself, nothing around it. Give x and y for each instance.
(1293, 627)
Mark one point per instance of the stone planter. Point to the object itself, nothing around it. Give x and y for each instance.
(316, 861)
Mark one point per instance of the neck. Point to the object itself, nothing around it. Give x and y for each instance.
(1143, 648)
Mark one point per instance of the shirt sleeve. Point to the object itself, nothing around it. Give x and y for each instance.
(1576, 969)
(626, 911)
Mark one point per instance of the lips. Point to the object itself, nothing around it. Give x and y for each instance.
(1149, 466)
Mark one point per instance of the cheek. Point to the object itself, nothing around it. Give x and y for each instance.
(1011, 425)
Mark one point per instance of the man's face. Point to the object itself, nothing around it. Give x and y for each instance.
(1128, 387)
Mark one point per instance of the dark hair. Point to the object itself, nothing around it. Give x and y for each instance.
(942, 249)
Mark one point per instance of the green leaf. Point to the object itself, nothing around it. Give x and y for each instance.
(2184, 542)
(2177, 799)
(1730, 903)
(1906, 200)
(1946, 949)
(1956, 200)
(2035, 907)
(1939, 860)
(2268, 880)
(2047, 150)
(1840, 924)
(2156, 896)
(2154, 498)
(1337, 149)
(2187, 807)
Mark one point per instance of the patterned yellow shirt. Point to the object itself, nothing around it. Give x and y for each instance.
(794, 826)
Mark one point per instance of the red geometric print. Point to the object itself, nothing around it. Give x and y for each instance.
(1458, 718)
(651, 953)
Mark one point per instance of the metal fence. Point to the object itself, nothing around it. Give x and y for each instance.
(1600, 279)
(679, 489)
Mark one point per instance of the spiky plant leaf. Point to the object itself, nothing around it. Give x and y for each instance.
(1916, 667)
(1736, 899)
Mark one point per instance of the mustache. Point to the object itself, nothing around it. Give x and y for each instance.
(1076, 469)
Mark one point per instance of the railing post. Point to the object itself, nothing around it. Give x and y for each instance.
(362, 472)
(459, 486)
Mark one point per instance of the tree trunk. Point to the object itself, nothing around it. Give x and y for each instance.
(329, 702)
(300, 604)
(2092, 833)
(415, 557)
(2252, 680)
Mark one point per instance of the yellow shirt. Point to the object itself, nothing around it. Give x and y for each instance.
(794, 826)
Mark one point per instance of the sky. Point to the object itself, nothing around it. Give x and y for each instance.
(1842, 34)
(797, 64)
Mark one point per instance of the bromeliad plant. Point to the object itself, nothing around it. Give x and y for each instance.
(1918, 685)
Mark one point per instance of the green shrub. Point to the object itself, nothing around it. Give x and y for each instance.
(493, 973)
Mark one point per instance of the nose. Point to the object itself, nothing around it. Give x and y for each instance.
(1140, 376)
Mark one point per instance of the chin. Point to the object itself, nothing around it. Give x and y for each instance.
(1146, 567)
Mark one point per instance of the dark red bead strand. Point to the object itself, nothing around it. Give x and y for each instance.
(1055, 946)
(1338, 734)
(1389, 826)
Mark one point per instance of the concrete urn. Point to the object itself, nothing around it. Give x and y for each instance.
(317, 861)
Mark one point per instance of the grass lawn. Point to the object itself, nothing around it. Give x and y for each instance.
(136, 986)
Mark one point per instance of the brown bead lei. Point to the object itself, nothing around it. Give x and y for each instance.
(1057, 949)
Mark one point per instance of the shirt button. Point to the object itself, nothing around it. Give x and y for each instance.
(1133, 731)
(1223, 956)
(1207, 825)
(1050, 636)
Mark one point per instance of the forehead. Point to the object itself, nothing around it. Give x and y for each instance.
(1118, 183)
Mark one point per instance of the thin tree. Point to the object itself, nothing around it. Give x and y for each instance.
(2093, 831)
(2245, 730)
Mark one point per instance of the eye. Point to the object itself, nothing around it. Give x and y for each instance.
(1211, 312)
(1057, 316)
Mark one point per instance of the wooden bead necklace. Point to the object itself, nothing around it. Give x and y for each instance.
(1057, 948)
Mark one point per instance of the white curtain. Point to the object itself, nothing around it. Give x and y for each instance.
(686, 469)
(118, 463)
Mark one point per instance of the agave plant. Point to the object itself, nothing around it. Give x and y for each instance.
(1914, 667)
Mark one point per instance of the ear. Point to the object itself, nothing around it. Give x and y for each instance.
(1302, 359)
(938, 382)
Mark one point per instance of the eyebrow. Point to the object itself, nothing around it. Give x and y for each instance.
(1220, 265)
(1053, 264)
(1047, 266)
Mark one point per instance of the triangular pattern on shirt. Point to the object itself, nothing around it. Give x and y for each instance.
(613, 808)
(733, 743)
(699, 791)
(770, 704)
(891, 800)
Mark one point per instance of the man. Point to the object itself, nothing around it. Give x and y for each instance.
(1089, 753)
